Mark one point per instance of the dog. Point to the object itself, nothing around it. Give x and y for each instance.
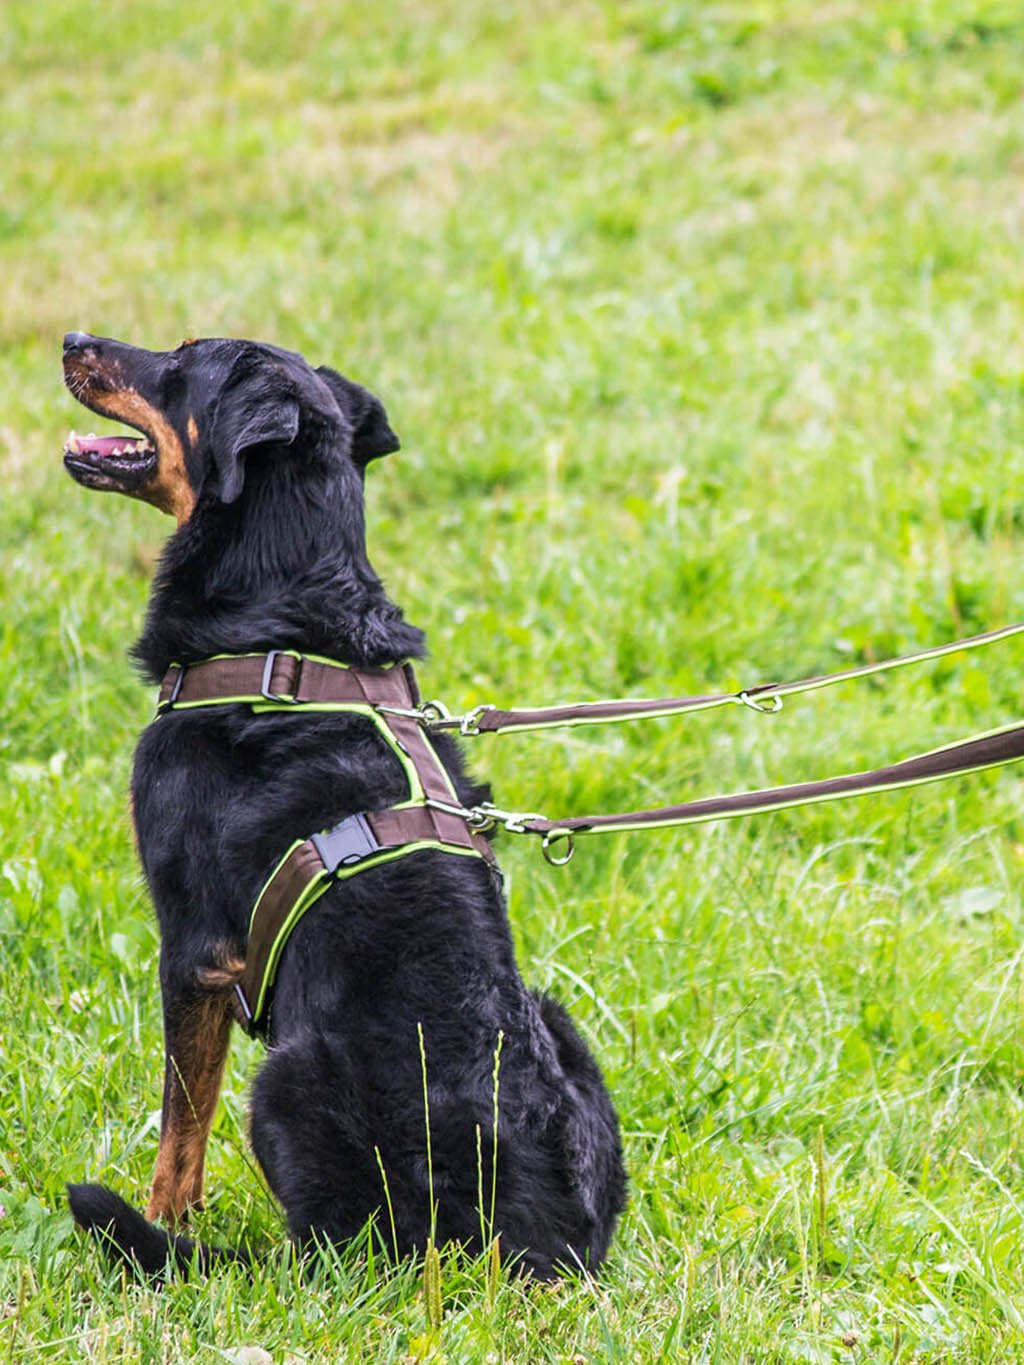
(401, 977)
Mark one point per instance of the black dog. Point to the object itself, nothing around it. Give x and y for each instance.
(261, 458)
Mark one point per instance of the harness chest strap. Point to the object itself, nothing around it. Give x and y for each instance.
(309, 868)
(429, 819)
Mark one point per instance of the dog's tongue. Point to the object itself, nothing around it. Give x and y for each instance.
(103, 445)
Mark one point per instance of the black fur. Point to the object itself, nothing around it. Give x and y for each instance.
(273, 556)
(143, 1247)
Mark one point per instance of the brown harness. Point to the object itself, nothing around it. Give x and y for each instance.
(431, 818)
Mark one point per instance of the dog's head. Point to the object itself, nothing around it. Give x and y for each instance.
(204, 410)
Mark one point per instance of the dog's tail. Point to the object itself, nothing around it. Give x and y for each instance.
(146, 1249)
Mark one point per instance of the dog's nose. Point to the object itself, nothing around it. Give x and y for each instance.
(76, 341)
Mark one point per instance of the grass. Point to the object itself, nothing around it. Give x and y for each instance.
(701, 327)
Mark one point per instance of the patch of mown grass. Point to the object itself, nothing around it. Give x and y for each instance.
(701, 328)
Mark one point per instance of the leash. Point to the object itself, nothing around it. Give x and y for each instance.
(433, 818)
(988, 750)
(765, 697)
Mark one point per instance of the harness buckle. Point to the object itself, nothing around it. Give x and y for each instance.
(268, 669)
(348, 842)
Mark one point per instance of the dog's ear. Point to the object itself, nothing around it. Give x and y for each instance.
(258, 409)
(371, 432)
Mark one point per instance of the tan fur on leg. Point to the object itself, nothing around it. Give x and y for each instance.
(195, 1066)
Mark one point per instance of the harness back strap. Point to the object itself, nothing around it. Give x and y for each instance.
(432, 817)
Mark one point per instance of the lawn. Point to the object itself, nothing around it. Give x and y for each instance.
(701, 327)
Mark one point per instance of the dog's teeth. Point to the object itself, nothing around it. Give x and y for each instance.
(71, 444)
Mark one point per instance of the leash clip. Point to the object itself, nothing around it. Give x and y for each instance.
(469, 724)
(436, 716)
(488, 816)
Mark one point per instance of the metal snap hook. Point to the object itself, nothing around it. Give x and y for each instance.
(469, 724)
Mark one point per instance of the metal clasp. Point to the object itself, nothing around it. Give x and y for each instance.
(489, 816)
(243, 1004)
(436, 716)
(469, 724)
(433, 714)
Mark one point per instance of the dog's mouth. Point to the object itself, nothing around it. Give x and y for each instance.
(118, 463)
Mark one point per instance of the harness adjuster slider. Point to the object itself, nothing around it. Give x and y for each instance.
(168, 703)
(347, 843)
(268, 670)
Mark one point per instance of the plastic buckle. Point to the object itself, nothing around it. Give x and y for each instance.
(268, 669)
(345, 844)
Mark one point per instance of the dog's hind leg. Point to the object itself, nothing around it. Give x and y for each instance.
(196, 1036)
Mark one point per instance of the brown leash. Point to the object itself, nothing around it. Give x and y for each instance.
(764, 697)
(969, 756)
(433, 817)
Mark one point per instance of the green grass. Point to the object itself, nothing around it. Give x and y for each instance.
(701, 325)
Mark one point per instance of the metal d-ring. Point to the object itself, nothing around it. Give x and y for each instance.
(760, 707)
(554, 836)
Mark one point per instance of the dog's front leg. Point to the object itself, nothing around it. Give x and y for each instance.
(197, 1028)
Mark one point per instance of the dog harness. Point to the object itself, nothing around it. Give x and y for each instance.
(432, 817)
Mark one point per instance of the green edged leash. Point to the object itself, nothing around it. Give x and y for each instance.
(432, 816)
(765, 697)
(973, 755)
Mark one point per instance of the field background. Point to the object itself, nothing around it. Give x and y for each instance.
(701, 325)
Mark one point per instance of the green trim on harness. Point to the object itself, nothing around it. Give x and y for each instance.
(255, 1005)
(430, 818)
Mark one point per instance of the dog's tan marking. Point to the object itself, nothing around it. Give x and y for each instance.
(224, 975)
(169, 489)
(195, 1066)
(193, 431)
